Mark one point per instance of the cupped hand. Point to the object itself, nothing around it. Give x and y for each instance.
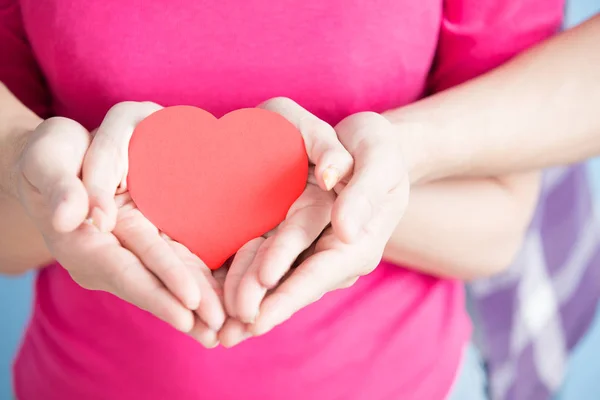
(370, 203)
(248, 280)
(67, 177)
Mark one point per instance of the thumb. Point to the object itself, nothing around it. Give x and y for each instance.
(332, 161)
(106, 163)
(379, 177)
(69, 204)
(51, 165)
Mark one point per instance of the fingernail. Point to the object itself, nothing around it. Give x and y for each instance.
(96, 219)
(216, 327)
(238, 340)
(331, 176)
(253, 319)
(213, 345)
(192, 303)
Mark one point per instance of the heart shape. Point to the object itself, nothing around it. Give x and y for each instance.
(215, 184)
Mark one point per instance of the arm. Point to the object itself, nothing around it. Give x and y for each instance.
(540, 109)
(21, 244)
(22, 89)
(464, 229)
(469, 228)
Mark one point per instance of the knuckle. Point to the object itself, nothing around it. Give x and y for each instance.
(286, 299)
(131, 112)
(318, 135)
(188, 258)
(298, 233)
(262, 251)
(316, 128)
(127, 223)
(29, 162)
(151, 104)
(121, 108)
(250, 249)
(276, 248)
(57, 123)
(368, 115)
(307, 275)
(365, 118)
(362, 140)
(170, 272)
(277, 103)
(367, 127)
(154, 250)
(111, 143)
(243, 254)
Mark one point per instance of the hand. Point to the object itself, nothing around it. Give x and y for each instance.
(121, 252)
(306, 219)
(133, 231)
(370, 204)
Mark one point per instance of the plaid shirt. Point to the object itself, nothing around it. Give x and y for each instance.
(530, 317)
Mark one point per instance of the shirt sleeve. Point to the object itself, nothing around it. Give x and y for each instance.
(479, 35)
(19, 70)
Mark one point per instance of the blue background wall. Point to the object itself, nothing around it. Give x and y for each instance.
(583, 381)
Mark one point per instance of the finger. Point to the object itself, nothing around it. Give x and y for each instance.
(319, 274)
(309, 215)
(205, 335)
(110, 267)
(106, 163)
(306, 219)
(242, 260)
(139, 236)
(347, 283)
(331, 159)
(221, 273)
(210, 311)
(233, 333)
(137, 285)
(51, 166)
(250, 291)
(378, 172)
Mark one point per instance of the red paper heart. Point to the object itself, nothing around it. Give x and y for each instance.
(214, 184)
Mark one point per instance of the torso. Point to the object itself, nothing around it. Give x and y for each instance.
(376, 340)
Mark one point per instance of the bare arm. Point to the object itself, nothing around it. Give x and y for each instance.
(21, 244)
(473, 226)
(540, 109)
(464, 229)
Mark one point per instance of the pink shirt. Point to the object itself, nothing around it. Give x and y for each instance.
(396, 334)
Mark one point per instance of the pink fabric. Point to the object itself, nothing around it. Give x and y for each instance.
(396, 334)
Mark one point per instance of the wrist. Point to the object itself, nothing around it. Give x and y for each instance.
(13, 142)
(415, 145)
(431, 146)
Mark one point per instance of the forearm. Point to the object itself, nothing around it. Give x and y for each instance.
(464, 228)
(540, 109)
(16, 121)
(21, 245)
